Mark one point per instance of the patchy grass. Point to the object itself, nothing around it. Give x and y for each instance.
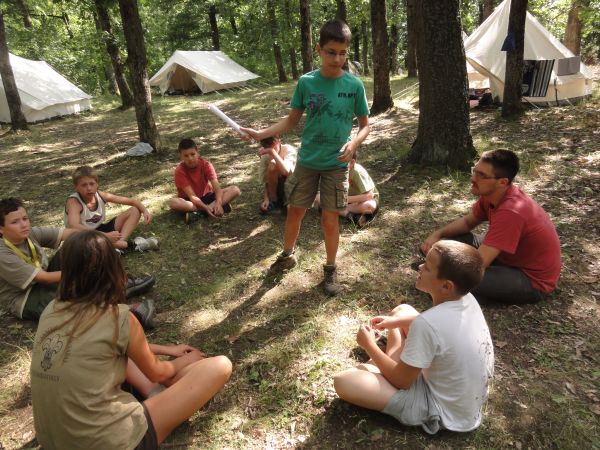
(285, 338)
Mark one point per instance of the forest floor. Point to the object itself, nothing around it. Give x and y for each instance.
(285, 338)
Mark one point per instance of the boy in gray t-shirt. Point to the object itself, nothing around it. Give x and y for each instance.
(28, 280)
(436, 368)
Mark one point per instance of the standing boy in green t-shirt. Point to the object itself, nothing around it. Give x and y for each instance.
(331, 98)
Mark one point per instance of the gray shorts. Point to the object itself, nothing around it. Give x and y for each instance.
(415, 406)
(302, 186)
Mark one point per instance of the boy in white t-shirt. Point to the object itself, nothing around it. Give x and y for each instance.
(437, 366)
(277, 163)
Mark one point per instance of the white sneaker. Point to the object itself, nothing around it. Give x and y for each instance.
(143, 244)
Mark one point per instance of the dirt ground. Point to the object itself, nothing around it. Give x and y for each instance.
(285, 338)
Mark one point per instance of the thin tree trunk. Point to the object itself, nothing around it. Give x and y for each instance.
(443, 135)
(411, 37)
(486, 10)
(233, 25)
(365, 47)
(25, 13)
(276, 47)
(65, 19)
(109, 73)
(512, 102)
(17, 118)
(356, 42)
(394, 37)
(134, 36)
(341, 12)
(214, 28)
(306, 36)
(289, 32)
(382, 96)
(115, 58)
(574, 28)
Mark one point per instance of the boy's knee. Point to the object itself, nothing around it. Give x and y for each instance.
(404, 309)
(341, 383)
(223, 367)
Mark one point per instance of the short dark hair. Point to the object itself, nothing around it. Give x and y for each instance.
(504, 162)
(267, 142)
(8, 205)
(335, 30)
(186, 143)
(459, 263)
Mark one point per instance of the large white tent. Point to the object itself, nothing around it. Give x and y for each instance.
(483, 52)
(188, 71)
(43, 91)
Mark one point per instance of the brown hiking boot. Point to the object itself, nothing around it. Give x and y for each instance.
(330, 285)
(282, 263)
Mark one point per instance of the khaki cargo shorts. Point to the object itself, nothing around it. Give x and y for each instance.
(302, 187)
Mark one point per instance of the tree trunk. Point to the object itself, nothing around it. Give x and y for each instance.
(512, 103)
(573, 30)
(306, 36)
(394, 38)
(276, 47)
(356, 42)
(25, 13)
(67, 22)
(382, 95)
(412, 16)
(443, 135)
(365, 47)
(134, 36)
(341, 12)
(113, 51)
(486, 10)
(17, 118)
(289, 32)
(214, 29)
(233, 25)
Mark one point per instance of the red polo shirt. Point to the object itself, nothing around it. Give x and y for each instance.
(525, 236)
(198, 178)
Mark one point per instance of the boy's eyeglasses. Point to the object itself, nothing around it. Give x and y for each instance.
(482, 176)
(332, 54)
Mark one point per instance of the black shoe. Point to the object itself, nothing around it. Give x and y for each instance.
(227, 208)
(144, 313)
(139, 286)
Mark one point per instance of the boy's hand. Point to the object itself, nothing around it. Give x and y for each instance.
(183, 349)
(366, 337)
(113, 236)
(250, 134)
(428, 243)
(147, 216)
(346, 152)
(383, 322)
(265, 205)
(218, 210)
(208, 209)
(266, 151)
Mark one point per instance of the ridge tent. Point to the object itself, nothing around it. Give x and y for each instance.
(476, 80)
(568, 78)
(44, 92)
(188, 71)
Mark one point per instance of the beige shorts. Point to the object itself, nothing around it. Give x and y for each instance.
(302, 186)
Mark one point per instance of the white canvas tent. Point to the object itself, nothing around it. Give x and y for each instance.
(476, 79)
(43, 91)
(483, 52)
(187, 71)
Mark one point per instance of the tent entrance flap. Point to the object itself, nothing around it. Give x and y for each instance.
(182, 81)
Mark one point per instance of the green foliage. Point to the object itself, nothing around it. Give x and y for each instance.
(75, 47)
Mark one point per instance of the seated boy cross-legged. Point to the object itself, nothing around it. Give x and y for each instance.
(85, 209)
(198, 190)
(437, 366)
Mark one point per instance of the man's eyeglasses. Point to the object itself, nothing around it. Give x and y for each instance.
(332, 54)
(482, 176)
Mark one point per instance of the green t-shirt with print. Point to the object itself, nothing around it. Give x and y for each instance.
(330, 105)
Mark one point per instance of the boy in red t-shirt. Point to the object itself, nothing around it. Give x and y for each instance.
(198, 190)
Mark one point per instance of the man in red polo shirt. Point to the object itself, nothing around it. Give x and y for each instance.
(521, 250)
